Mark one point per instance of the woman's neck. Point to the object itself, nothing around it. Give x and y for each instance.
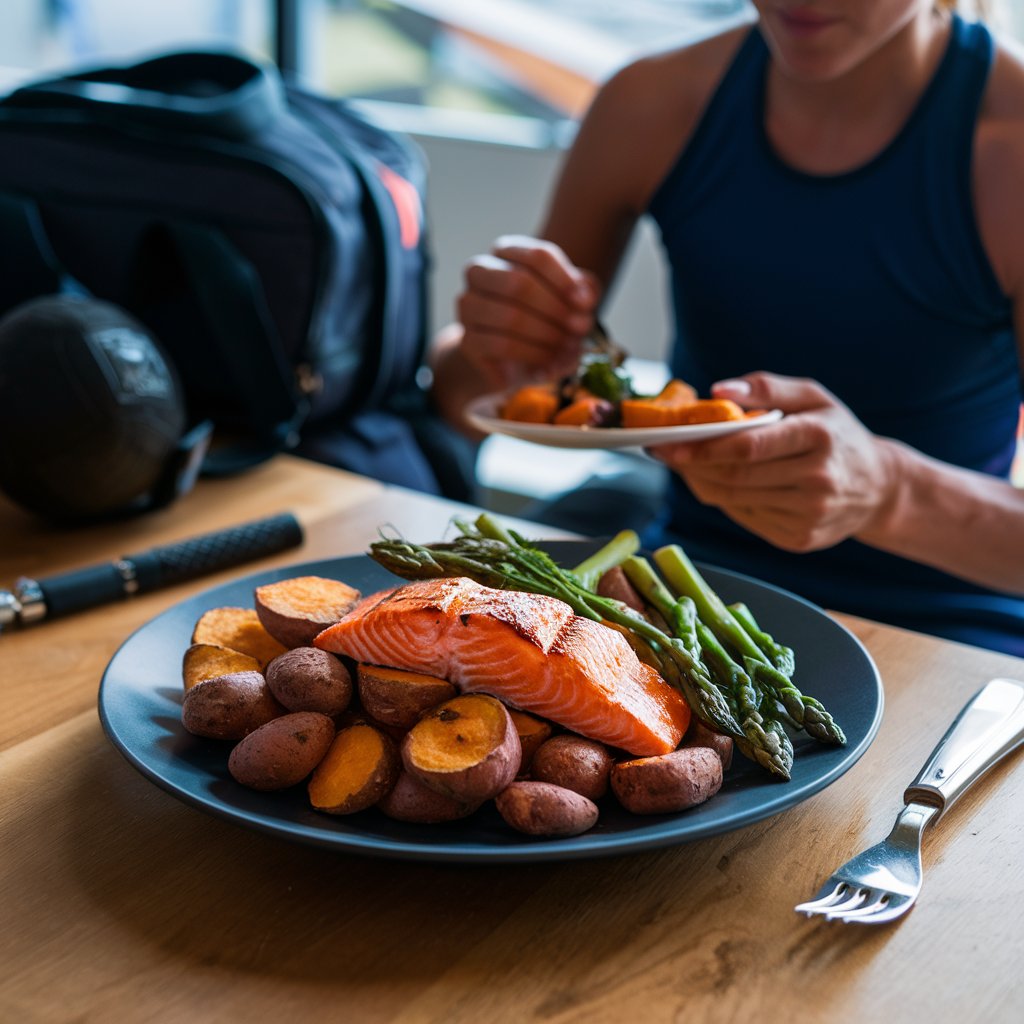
(835, 125)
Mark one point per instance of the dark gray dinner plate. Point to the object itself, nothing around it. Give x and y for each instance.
(140, 708)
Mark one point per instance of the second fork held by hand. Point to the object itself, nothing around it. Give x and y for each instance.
(882, 883)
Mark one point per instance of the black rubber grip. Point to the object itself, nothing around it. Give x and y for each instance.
(174, 563)
(83, 588)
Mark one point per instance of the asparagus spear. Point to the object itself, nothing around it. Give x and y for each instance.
(614, 553)
(764, 734)
(683, 577)
(807, 712)
(755, 738)
(511, 563)
(679, 613)
(779, 655)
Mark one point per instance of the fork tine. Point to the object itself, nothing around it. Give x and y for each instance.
(895, 906)
(872, 901)
(821, 903)
(857, 896)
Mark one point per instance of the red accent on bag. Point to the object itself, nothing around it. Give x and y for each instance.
(407, 203)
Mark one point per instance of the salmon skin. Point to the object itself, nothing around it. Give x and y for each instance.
(530, 651)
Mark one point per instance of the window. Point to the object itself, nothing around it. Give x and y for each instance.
(461, 67)
(521, 70)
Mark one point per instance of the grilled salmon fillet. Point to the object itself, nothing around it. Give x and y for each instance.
(532, 652)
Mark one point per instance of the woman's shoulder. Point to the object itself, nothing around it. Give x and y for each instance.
(998, 162)
(674, 82)
(644, 115)
(1004, 96)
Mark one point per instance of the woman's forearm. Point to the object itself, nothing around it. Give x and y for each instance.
(968, 524)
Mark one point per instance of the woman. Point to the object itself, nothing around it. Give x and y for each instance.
(837, 193)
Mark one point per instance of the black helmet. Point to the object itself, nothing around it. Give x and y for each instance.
(91, 410)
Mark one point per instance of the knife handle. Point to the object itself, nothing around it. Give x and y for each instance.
(990, 726)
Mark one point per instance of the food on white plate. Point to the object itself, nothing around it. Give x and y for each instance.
(602, 394)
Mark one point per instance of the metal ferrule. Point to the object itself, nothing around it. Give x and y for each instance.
(126, 569)
(30, 597)
(10, 609)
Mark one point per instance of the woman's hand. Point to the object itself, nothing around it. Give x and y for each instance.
(815, 478)
(525, 311)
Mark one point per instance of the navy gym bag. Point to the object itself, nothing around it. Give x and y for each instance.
(273, 241)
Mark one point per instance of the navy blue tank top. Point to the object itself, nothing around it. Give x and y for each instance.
(874, 282)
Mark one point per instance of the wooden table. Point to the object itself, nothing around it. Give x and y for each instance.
(120, 903)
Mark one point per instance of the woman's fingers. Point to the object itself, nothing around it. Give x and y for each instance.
(762, 390)
(525, 310)
(551, 265)
(813, 479)
(479, 311)
(791, 437)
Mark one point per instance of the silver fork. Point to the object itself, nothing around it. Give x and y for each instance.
(882, 883)
(601, 342)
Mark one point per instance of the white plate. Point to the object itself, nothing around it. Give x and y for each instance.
(482, 413)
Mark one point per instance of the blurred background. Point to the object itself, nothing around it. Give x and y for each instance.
(490, 89)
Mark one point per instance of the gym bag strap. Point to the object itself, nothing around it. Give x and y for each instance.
(233, 312)
(205, 93)
(39, 270)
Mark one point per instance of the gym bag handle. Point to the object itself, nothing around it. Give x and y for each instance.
(215, 94)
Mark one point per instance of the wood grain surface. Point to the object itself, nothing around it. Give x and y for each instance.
(119, 903)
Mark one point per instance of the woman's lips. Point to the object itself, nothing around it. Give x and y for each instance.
(805, 23)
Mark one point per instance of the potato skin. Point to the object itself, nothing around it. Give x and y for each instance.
(543, 809)
(308, 679)
(701, 735)
(410, 800)
(614, 583)
(282, 752)
(477, 781)
(573, 762)
(389, 701)
(229, 707)
(669, 782)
